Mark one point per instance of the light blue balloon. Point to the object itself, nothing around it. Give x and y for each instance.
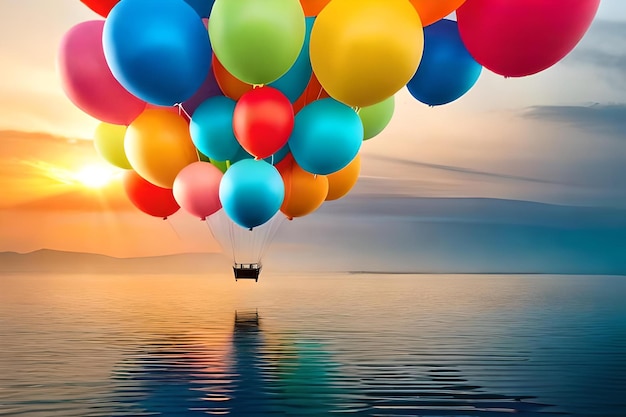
(158, 50)
(251, 192)
(326, 137)
(293, 83)
(211, 128)
(202, 7)
(447, 70)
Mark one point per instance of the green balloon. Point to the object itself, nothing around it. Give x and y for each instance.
(376, 117)
(221, 165)
(257, 41)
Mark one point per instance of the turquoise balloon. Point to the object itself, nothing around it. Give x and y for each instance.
(251, 192)
(278, 156)
(326, 137)
(294, 82)
(211, 128)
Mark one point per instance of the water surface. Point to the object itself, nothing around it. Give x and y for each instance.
(317, 344)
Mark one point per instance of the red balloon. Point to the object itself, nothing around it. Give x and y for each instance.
(149, 198)
(262, 121)
(102, 7)
(516, 38)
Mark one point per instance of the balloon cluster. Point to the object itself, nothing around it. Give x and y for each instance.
(260, 106)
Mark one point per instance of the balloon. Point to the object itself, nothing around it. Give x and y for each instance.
(313, 7)
(260, 45)
(230, 85)
(516, 38)
(447, 70)
(263, 121)
(327, 135)
(363, 51)
(109, 142)
(103, 7)
(147, 197)
(431, 11)
(211, 129)
(376, 117)
(251, 192)
(314, 91)
(275, 158)
(196, 189)
(293, 82)
(304, 192)
(157, 49)
(221, 165)
(342, 181)
(202, 7)
(158, 146)
(208, 89)
(87, 80)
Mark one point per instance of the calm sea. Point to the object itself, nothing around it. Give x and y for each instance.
(312, 345)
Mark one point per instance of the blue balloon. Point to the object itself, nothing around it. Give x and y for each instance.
(202, 7)
(251, 192)
(158, 50)
(211, 128)
(326, 137)
(447, 70)
(294, 82)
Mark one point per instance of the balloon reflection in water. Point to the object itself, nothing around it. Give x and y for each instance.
(246, 247)
(250, 372)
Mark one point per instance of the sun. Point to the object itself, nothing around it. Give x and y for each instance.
(94, 175)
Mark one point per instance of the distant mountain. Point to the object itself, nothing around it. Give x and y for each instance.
(86, 263)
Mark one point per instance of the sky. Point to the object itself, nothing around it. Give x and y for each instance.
(520, 172)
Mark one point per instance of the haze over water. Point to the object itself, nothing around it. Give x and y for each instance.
(315, 344)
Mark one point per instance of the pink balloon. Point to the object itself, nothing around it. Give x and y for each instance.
(516, 38)
(196, 189)
(87, 79)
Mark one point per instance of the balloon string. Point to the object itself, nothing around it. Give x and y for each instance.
(172, 227)
(182, 109)
(320, 93)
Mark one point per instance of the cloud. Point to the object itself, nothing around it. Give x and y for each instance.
(605, 119)
(456, 235)
(602, 49)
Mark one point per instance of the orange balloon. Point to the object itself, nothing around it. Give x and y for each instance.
(342, 181)
(158, 145)
(230, 85)
(313, 91)
(313, 7)
(304, 192)
(431, 11)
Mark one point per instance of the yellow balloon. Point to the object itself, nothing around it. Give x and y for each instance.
(158, 145)
(342, 181)
(304, 192)
(108, 140)
(364, 51)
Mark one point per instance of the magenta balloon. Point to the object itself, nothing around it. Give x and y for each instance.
(196, 189)
(516, 38)
(87, 79)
